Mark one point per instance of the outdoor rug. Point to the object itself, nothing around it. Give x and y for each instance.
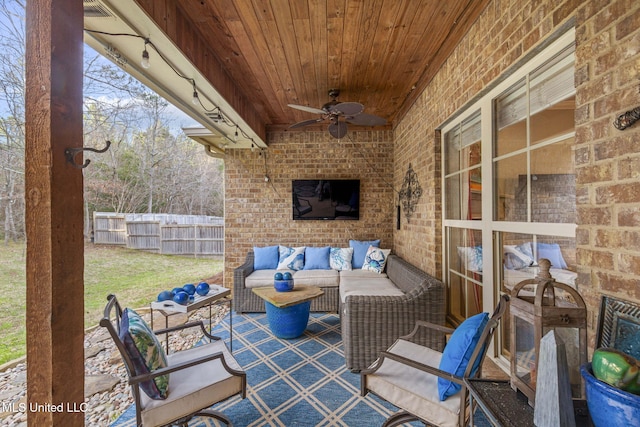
(298, 382)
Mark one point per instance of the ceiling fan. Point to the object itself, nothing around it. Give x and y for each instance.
(339, 114)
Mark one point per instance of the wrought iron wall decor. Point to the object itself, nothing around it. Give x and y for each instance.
(628, 118)
(410, 192)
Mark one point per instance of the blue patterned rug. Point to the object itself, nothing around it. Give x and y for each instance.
(298, 382)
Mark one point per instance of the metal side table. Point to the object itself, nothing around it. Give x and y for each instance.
(217, 295)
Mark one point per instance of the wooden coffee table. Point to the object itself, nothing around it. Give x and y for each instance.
(288, 312)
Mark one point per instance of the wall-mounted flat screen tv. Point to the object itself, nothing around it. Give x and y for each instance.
(326, 199)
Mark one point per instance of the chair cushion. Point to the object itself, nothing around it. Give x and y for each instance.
(340, 258)
(317, 258)
(375, 259)
(360, 249)
(291, 258)
(193, 388)
(145, 351)
(265, 258)
(412, 389)
(459, 350)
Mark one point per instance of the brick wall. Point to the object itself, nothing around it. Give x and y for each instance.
(259, 213)
(607, 160)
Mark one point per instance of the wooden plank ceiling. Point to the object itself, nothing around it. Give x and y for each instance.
(380, 53)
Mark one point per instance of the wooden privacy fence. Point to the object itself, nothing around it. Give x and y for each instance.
(181, 236)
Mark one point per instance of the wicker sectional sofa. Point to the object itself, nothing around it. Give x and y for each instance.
(245, 278)
(375, 309)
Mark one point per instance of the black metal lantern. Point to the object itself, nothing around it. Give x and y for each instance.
(538, 306)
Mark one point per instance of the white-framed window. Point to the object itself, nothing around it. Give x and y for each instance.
(508, 182)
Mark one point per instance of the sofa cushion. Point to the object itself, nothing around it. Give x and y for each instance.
(321, 278)
(378, 286)
(375, 259)
(360, 249)
(363, 274)
(317, 258)
(265, 258)
(340, 258)
(291, 258)
(260, 278)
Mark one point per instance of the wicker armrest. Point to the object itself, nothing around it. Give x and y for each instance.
(370, 324)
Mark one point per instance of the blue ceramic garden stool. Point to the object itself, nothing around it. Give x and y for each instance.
(288, 312)
(288, 322)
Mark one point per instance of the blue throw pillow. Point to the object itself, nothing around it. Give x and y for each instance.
(360, 249)
(265, 258)
(551, 251)
(459, 350)
(317, 258)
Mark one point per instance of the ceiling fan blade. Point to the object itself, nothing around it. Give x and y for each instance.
(338, 129)
(365, 119)
(305, 123)
(307, 109)
(347, 108)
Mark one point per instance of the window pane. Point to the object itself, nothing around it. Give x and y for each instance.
(521, 253)
(452, 197)
(464, 272)
(511, 188)
(452, 151)
(552, 122)
(553, 184)
(511, 123)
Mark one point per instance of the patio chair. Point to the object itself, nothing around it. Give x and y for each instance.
(172, 389)
(417, 379)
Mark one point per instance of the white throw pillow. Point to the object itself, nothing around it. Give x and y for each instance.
(340, 258)
(291, 258)
(375, 259)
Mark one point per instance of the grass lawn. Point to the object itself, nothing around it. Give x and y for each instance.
(136, 277)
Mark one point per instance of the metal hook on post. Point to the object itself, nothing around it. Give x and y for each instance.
(70, 153)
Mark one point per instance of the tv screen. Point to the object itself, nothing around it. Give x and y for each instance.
(326, 199)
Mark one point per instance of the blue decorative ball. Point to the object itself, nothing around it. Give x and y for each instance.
(174, 291)
(278, 276)
(189, 288)
(181, 298)
(165, 295)
(287, 276)
(202, 288)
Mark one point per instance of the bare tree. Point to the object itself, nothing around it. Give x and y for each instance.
(151, 165)
(12, 77)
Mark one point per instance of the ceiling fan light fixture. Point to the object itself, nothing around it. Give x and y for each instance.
(351, 112)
